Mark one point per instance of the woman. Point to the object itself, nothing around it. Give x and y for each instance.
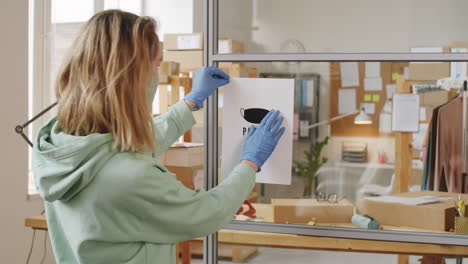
(107, 200)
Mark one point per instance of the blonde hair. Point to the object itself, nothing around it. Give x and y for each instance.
(102, 85)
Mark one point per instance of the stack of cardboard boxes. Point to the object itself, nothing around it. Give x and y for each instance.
(186, 49)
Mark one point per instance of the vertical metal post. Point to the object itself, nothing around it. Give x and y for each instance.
(210, 243)
(463, 161)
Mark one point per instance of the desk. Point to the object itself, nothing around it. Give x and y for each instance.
(315, 243)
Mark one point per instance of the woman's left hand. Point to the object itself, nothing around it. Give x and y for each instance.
(206, 81)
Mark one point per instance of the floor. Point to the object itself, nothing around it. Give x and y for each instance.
(297, 256)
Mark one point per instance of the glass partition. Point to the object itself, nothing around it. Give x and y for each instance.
(324, 26)
(345, 174)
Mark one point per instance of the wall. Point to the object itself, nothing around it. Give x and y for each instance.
(174, 16)
(14, 205)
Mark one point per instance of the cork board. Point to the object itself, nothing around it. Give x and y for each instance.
(346, 126)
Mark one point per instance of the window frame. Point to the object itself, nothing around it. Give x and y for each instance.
(40, 52)
(212, 58)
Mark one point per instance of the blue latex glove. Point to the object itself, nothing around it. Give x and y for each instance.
(206, 81)
(262, 140)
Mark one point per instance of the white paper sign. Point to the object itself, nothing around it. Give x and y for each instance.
(245, 99)
(405, 117)
(349, 74)
(373, 84)
(346, 101)
(372, 69)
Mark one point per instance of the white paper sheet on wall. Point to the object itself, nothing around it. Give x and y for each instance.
(418, 138)
(422, 114)
(385, 123)
(372, 69)
(349, 74)
(369, 108)
(244, 100)
(346, 101)
(373, 84)
(405, 116)
(391, 89)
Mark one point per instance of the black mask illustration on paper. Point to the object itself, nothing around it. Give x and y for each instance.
(254, 115)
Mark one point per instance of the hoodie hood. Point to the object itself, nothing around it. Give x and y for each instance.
(63, 165)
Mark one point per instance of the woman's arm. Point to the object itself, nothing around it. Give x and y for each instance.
(172, 125)
(190, 104)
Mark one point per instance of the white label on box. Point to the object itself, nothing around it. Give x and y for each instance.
(189, 42)
(223, 47)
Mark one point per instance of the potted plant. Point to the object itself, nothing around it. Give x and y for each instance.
(309, 167)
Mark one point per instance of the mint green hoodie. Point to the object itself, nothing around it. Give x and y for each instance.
(105, 206)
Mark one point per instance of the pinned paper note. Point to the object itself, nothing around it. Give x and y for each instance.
(372, 69)
(394, 76)
(391, 89)
(418, 137)
(369, 108)
(375, 98)
(387, 107)
(349, 74)
(244, 107)
(367, 97)
(346, 101)
(406, 73)
(385, 123)
(373, 84)
(405, 116)
(422, 114)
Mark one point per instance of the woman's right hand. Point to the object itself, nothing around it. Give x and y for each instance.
(262, 140)
(205, 82)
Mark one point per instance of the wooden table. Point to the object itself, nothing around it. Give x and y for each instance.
(260, 239)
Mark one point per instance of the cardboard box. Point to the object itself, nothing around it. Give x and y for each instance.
(433, 217)
(428, 71)
(188, 176)
(301, 211)
(169, 68)
(434, 98)
(189, 60)
(191, 41)
(184, 155)
(230, 46)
